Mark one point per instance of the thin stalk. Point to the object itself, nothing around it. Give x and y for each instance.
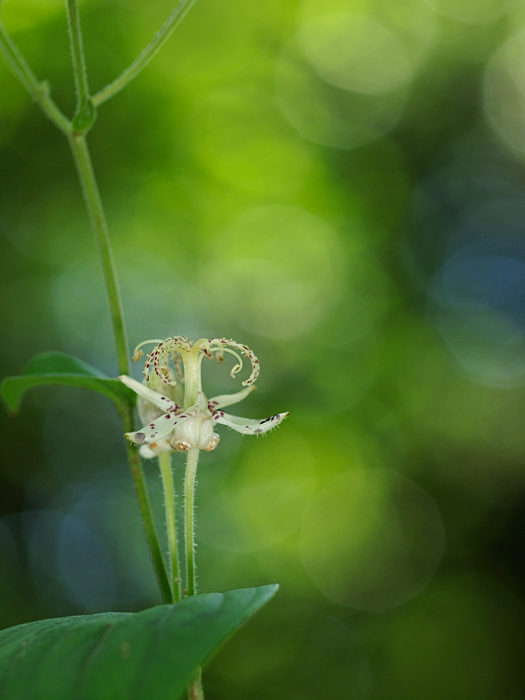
(100, 229)
(139, 481)
(145, 57)
(194, 688)
(192, 457)
(79, 63)
(38, 91)
(171, 521)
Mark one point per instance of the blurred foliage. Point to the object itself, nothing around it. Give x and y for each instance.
(341, 186)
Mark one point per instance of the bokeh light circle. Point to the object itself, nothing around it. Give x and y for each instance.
(238, 136)
(149, 288)
(275, 270)
(355, 53)
(504, 92)
(372, 539)
(343, 100)
(265, 498)
(480, 291)
(469, 11)
(410, 21)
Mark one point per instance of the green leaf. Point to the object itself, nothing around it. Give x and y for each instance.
(122, 656)
(58, 368)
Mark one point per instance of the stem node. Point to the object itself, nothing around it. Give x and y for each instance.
(84, 118)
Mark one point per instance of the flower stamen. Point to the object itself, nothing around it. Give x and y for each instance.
(236, 368)
(138, 353)
(225, 344)
(158, 354)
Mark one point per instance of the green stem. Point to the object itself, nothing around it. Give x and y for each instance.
(75, 131)
(79, 64)
(194, 688)
(38, 91)
(100, 229)
(139, 481)
(145, 57)
(98, 222)
(171, 521)
(192, 457)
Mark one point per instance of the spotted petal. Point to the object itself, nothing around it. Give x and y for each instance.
(248, 426)
(145, 392)
(229, 399)
(158, 429)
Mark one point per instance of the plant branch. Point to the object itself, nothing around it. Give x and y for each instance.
(145, 57)
(100, 229)
(38, 91)
(171, 521)
(79, 63)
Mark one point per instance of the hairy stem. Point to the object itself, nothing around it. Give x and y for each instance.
(100, 229)
(38, 91)
(98, 223)
(139, 481)
(79, 64)
(192, 457)
(145, 57)
(75, 131)
(93, 202)
(171, 521)
(194, 688)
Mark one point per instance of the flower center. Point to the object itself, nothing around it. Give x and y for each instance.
(182, 349)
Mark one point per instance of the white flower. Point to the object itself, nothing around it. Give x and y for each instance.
(176, 414)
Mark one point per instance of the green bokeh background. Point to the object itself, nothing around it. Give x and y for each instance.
(341, 186)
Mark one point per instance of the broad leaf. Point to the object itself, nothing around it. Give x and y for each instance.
(122, 656)
(58, 368)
